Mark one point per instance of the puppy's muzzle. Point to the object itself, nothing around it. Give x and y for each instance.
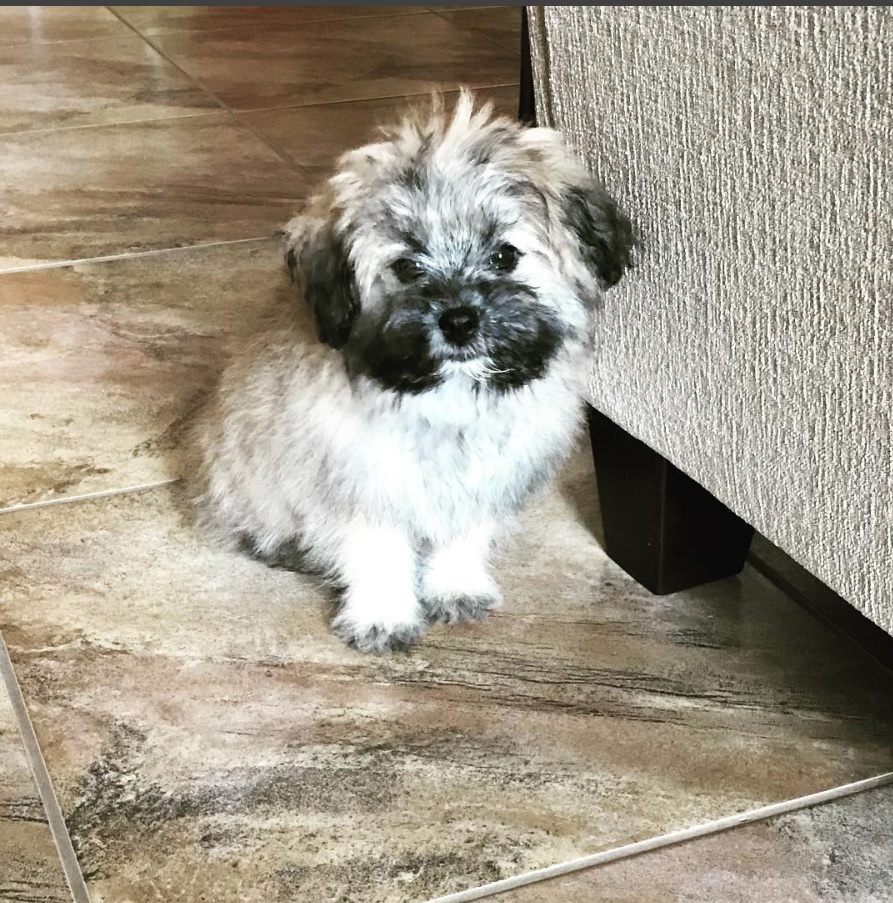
(460, 325)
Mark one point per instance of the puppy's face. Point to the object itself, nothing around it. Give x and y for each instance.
(457, 247)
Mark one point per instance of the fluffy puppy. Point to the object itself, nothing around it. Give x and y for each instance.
(450, 269)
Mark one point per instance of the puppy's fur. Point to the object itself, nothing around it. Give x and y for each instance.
(451, 269)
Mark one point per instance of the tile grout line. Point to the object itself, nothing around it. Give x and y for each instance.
(67, 856)
(215, 30)
(241, 115)
(315, 104)
(627, 851)
(89, 496)
(240, 29)
(494, 42)
(24, 132)
(238, 115)
(129, 255)
(167, 59)
(284, 156)
(222, 104)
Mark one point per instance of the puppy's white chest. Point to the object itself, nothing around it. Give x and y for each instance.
(451, 458)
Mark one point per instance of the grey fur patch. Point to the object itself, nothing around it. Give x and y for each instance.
(458, 610)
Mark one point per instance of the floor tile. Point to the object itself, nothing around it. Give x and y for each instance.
(154, 20)
(79, 83)
(29, 864)
(315, 136)
(207, 735)
(83, 193)
(837, 853)
(46, 24)
(351, 59)
(100, 363)
(501, 24)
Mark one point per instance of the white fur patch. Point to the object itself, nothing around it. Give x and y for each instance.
(377, 565)
(460, 569)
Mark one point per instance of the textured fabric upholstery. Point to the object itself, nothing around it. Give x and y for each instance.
(752, 147)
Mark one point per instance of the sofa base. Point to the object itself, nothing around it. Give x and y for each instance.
(664, 529)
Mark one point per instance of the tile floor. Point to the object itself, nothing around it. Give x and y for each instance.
(203, 735)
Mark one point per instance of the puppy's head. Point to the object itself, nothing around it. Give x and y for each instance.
(463, 245)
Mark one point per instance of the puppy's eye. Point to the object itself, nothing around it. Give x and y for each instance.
(407, 270)
(504, 259)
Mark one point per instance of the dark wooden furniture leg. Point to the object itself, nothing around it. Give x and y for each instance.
(526, 104)
(660, 526)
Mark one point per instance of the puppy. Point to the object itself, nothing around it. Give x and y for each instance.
(450, 269)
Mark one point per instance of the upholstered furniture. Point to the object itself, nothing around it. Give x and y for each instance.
(750, 350)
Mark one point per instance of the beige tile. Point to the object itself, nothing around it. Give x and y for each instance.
(29, 865)
(836, 853)
(81, 83)
(102, 362)
(153, 20)
(84, 193)
(314, 136)
(46, 24)
(208, 736)
(501, 24)
(351, 59)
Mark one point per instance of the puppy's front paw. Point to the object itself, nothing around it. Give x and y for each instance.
(377, 638)
(385, 622)
(458, 590)
(458, 609)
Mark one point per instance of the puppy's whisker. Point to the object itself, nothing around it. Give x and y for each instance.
(485, 372)
(478, 370)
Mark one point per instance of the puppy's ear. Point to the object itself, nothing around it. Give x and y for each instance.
(320, 264)
(605, 235)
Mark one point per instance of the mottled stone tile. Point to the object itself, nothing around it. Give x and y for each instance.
(155, 20)
(314, 136)
(208, 736)
(501, 24)
(48, 24)
(837, 853)
(101, 363)
(78, 83)
(82, 193)
(352, 59)
(29, 864)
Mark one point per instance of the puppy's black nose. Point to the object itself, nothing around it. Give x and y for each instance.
(460, 324)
